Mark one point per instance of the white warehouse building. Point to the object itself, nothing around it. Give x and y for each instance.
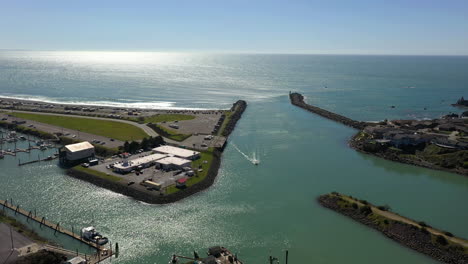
(79, 151)
(178, 152)
(173, 163)
(138, 163)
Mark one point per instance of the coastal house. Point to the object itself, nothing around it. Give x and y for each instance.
(423, 124)
(447, 127)
(403, 140)
(450, 144)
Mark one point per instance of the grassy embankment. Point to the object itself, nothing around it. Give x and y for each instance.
(163, 131)
(225, 122)
(384, 219)
(442, 157)
(169, 133)
(97, 173)
(199, 176)
(20, 228)
(106, 128)
(161, 118)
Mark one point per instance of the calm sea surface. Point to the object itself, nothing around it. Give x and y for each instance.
(256, 211)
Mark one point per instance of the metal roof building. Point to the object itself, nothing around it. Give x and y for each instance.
(79, 151)
(145, 161)
(178, 152)
(173, 163)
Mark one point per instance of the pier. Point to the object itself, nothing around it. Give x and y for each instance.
(297, 99)
(102, 253)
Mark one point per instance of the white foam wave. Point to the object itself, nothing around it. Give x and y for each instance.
(130, 104)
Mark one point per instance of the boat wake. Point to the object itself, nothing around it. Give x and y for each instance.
(254, 160)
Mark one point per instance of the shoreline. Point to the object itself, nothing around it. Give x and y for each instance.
(298, 100)
(437, 244)
(393, 157)
(106, 104)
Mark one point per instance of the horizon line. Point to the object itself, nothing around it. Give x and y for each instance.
(239, 52)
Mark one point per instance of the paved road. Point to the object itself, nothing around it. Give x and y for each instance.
(6, 254)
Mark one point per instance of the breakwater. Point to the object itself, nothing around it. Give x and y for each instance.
(238, 109)
(419, 236)
(297, 99)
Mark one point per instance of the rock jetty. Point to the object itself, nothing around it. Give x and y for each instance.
(437, 244)
(238, 109)
(297, 99)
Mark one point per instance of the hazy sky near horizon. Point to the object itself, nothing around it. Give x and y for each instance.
(297, 26)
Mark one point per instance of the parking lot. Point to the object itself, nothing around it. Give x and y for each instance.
(134, 178)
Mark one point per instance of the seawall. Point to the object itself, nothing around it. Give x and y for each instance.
(419, 237)
(297, 99)
(238, 108)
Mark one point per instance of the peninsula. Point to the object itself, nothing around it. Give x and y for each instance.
(437, 244)
(440, 144)
(156, 156)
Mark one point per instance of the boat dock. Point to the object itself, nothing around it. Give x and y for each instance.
(38, 160)
(102, 253)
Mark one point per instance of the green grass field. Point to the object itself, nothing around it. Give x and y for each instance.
(111, 129)
(174, 135)
(169, 133)
(204, 156)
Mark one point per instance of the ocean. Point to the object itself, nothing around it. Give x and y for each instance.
(255, 211)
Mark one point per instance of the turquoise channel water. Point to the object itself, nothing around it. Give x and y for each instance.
(256, 211)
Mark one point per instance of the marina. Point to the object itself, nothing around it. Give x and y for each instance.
(102, 252)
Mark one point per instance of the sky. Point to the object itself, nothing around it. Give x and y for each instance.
(410, 27)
